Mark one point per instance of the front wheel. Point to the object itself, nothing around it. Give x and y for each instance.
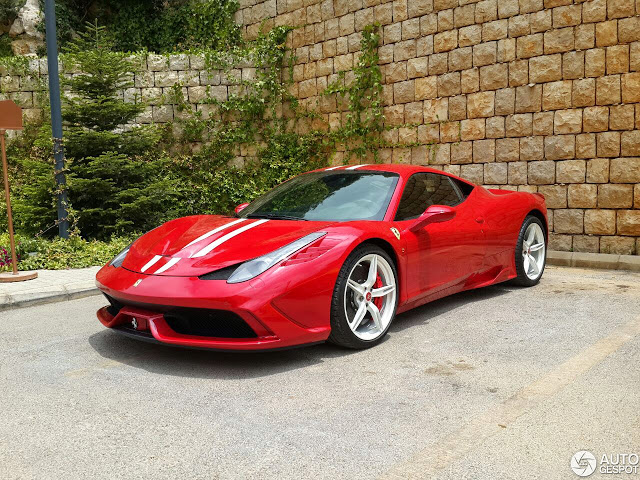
(365, 298)
(531, 252)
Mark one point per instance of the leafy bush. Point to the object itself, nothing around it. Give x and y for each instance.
(154, 25)
(59, 254)
(9, 10)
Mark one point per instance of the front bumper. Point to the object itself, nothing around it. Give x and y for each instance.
(147, 298)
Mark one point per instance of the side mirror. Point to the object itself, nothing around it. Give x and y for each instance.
(433, 214)
(241, 207)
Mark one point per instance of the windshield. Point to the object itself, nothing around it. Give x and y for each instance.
(327, 196)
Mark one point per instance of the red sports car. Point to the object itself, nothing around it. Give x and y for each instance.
(332, 254)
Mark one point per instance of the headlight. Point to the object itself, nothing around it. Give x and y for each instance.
(255, 267)
(118, 260)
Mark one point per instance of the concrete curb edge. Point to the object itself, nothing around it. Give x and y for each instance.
(594, 260)
(60, 294)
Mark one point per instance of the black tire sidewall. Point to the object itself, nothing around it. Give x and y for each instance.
(341, 333)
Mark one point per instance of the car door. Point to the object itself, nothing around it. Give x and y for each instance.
(439, 255)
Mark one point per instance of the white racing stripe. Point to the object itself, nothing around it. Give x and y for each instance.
(228, 236)
(356, 166)
(167, 265)
(214, 231)
(151, 263)
(332, 168)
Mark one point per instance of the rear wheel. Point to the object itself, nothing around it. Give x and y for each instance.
(531, 252)
(365, 298)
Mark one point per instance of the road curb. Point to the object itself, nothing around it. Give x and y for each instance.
(604, 261)
(57, 294)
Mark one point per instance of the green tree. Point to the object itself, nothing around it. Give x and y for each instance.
(114, 186)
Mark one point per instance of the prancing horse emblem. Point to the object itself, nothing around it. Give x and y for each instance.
(396, 232)
(134, 323)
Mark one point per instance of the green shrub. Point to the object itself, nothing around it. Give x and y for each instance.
(60, 254)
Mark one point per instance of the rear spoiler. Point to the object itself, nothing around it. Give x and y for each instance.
(540, 195)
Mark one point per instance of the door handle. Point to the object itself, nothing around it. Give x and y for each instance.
(480, 220)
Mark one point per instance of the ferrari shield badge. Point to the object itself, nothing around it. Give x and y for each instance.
(396, 232)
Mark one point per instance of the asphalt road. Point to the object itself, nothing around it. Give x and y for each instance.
(501, 382)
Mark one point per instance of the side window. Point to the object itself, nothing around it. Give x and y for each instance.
(463, 187)
(423, 190)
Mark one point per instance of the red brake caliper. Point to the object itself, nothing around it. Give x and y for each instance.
(378, 300)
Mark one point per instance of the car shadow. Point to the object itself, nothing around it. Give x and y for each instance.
(184, 362)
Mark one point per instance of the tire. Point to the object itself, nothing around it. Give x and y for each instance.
(351, 327)
(530, 265)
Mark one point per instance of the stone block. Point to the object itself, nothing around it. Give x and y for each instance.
(629, 29)
(628, 222)
(543, 123)
(519, 125)
(622, 117)
(584, 92)
(586, 145)
(540, 21)
(615, 196)
(426, 88)
(507, 149)
(607, 33)
(546, 68)
(559, 40)
(617, 59)
(445, 41)
(631, 87)
(567, 16)
(585, 36)
(519, 26)
(474, 173)
(567, 121)
(517, 173)
(618, 245)
(484, 151)
(571, 171)
(480, 104)
(472, 129)
(532, 148)
(625, 170)
(505, 101)
(495, 173)
(494, 127)
(469, 36)
(518, 73)
(436, 110)
(460, 59)
(608, 144)
(600, 222)
(495, 30)
(470, 80)
(573, 65)
(559, 147)
(557, 95)
(594, 62)
(630, 143)
(568, 221)
(555, 195)
(586, 243)
(594, 11)
(485, 54)
(530, 46)
(528, 98)
(598, 170)
(462, 152)
(449, 84)
(595, 119)
(582, 195)
(620, 8)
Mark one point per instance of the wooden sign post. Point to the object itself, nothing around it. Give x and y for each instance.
(11, 119)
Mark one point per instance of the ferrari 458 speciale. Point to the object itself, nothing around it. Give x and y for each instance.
(330, 255)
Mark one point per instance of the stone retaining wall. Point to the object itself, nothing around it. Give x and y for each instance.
(535, 95)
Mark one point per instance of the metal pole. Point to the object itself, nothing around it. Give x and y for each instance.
(5, 173)
(56, 116)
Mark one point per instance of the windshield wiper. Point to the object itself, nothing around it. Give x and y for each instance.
(275, 216)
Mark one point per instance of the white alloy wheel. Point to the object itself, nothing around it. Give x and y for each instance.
(533, 251)
(370, 297)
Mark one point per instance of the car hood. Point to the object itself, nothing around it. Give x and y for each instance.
(193, 246)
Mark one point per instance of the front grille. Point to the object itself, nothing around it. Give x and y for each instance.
(208, 323)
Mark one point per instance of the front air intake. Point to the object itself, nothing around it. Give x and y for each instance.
(208, 323)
